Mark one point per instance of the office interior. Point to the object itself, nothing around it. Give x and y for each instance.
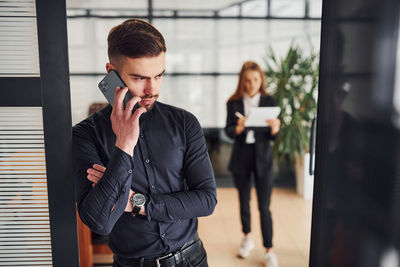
(344, 214)
(201, 38)
(201, 72)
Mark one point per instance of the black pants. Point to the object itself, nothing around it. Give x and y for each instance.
(195, 258)
(263, 184)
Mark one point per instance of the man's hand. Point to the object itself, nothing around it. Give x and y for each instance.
(96, 173)
(125, 124)
(275, 125)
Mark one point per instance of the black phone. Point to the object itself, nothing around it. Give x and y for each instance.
(108, 84)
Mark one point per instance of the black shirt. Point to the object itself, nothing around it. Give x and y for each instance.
(170, 165)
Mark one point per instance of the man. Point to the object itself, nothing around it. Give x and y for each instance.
(143, 177)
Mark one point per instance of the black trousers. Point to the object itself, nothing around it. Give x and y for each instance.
(192, 256)
(263, 185)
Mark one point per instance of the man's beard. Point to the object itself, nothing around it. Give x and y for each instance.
(150, 106)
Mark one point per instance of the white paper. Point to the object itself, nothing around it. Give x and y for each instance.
(258, 115)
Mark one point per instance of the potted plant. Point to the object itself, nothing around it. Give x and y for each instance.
(293, 82)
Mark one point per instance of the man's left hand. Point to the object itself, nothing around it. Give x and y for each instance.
(95, 173)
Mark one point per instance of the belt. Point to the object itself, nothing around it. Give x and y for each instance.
(190, 250)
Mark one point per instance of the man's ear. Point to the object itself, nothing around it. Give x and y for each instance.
(110, 67)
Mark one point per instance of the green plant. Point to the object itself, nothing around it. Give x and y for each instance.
(293, 81)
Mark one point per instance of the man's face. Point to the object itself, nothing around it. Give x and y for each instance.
(143, 77)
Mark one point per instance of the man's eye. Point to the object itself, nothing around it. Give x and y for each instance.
(139, 78)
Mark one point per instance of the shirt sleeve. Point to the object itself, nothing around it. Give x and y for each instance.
(201, 197)
(100, 206)
(230, 121)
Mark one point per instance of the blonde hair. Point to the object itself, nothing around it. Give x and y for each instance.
(239, 92)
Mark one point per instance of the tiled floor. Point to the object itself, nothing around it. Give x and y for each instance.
(221, 232)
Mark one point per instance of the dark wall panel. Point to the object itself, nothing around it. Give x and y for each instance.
(358, 145)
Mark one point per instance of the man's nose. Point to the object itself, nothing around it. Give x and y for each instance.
(150, 86)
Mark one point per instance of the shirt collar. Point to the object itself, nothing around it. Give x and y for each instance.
(253, 100)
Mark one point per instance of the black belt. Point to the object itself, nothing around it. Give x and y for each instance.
(190, 250)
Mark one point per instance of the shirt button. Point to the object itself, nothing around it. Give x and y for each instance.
(163, 236)
(153, 187)
(141, 135)
(130, 170)
(147, 161)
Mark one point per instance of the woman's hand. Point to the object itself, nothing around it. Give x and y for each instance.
(275, 125)
(240, 125)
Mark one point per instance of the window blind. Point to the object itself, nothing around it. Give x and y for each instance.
(24, 213)
(19, 55)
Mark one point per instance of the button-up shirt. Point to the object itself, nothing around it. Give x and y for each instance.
(250, 102)
(170, 166)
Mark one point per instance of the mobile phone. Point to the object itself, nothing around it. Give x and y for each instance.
(108, 84)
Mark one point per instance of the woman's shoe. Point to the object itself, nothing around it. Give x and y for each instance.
(245, 248)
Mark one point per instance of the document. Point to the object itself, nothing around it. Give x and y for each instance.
(258, 115)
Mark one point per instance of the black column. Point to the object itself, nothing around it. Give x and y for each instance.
(54, 75)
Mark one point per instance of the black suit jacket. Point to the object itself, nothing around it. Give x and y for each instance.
(264, 158)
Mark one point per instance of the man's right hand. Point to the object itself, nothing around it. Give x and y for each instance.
(125, 124)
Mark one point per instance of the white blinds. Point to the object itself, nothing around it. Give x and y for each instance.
(24, 213)
(19, 55)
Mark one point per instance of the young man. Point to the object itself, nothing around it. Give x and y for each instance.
(143, 177)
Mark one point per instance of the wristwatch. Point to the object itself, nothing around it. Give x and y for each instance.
(137, 201)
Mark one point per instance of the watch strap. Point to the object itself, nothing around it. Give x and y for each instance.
(136, 209)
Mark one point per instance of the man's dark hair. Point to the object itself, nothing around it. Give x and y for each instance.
(135, 38)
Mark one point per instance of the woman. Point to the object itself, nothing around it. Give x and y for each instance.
(252, 153)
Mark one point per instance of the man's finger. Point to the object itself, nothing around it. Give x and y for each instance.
(138, 113)
(99, 167)
(93, 178)
(118, 105)
(95, 172)
(130, 105)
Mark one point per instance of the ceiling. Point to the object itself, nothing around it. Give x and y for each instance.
(157, 4)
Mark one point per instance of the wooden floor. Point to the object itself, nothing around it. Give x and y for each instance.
(221, 232)
(291, 215)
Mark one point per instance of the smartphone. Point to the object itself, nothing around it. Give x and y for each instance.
(108, 84)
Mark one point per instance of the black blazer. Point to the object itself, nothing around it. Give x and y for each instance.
(264, 158)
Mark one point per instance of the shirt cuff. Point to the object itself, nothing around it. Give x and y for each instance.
(119, 168)
(122, 156)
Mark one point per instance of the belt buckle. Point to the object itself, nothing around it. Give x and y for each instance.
(161, 258)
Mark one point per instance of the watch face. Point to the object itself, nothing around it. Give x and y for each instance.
(138, 199)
